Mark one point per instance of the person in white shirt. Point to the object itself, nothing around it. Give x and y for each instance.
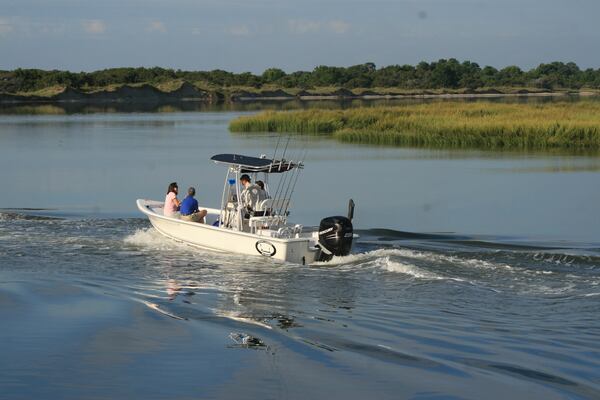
(251, 194)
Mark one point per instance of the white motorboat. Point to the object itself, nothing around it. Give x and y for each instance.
(262, 230)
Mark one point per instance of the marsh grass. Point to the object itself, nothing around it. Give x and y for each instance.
(569, 125)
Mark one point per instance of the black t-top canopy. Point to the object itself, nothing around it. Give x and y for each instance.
(255, 164)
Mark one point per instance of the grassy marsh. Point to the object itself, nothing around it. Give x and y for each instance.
(567, 125)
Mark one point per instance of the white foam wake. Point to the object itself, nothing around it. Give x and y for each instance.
(360, 257)
(399, 261)
(403, 268)
(416, 255)
(382, 259)
(150, 238)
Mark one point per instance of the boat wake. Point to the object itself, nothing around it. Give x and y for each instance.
(388, 260)
(498, 264)
(528, 272)
(151, 239)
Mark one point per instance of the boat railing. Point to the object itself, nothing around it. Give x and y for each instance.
(272, 205)
(270, 222)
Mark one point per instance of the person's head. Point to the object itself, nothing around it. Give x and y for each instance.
(245, 179)
(191, 191)
(261, 184)
(172, 188)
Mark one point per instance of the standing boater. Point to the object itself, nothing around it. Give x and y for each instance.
(249, 193)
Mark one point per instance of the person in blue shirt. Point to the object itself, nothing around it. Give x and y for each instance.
(189, 208)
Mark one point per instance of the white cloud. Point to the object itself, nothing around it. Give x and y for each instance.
(157, 26)
(31, 27)
(339, 27)
(5, 26)
(94, 26)
(303, 26)
(239, 30)
(51, 28)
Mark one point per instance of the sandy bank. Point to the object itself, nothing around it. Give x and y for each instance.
(188, 92)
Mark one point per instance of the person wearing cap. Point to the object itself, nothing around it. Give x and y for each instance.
(189, 208)
(251, 193)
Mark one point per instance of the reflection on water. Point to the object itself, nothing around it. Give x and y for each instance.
(191, 106)
(569, 167)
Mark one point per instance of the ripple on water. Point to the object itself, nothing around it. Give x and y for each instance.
(447, 314)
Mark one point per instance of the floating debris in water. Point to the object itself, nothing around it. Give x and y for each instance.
(156, 307)
(286, 322)
(244, 340)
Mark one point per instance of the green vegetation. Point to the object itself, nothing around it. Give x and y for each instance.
(563, 125)
(443, 74)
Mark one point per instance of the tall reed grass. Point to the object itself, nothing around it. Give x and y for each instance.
(571, 125)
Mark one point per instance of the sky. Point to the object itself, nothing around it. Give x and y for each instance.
(253, 35)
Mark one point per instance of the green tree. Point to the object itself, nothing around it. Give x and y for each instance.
(489, 76)
(272, 75)
(511, 76)
(446, 73)
(470, 75)
(327, 76)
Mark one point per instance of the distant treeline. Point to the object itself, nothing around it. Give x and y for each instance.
(450, 74)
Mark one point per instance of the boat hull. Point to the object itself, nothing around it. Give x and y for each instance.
(293, 250)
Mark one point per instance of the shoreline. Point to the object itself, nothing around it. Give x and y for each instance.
(190, 93)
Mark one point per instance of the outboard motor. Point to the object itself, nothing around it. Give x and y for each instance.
(335, 237)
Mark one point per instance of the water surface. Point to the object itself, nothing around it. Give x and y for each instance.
(476, 275)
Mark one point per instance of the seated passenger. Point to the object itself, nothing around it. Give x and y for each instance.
(189, 208)
(263, 195)
(171, 202)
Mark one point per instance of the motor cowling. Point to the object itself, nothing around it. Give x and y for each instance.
(335, 237)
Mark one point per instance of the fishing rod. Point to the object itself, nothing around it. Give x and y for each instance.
(284, 151)
(301, 156)
(275, 152)
(283, 182)
(287, 183)
(279, 185)
(300, 166)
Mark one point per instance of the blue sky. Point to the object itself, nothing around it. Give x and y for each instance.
(253, 35)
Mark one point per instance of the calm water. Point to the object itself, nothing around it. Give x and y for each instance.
(477, 274)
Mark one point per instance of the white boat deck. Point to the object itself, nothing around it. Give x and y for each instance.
(261, 226)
